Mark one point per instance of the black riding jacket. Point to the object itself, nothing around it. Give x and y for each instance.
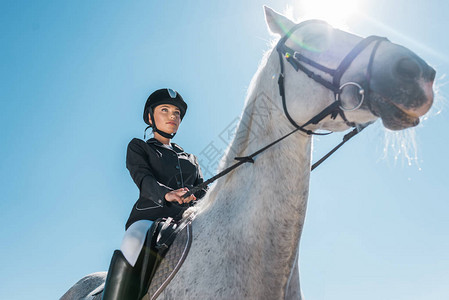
(157, 170)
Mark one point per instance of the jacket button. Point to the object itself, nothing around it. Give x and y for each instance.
(177, 167)
(160, 201)
(178, 182)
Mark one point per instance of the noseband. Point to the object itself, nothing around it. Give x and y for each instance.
(298, 61)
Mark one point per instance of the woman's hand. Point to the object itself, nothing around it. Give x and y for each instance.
(176, 196)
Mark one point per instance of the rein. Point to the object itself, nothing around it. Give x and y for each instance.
(336, 108)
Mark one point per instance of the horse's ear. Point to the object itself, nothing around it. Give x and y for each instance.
(277, 23)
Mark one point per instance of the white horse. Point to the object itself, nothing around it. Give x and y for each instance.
(247, 233)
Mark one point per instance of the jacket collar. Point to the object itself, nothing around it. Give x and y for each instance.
(155, 142)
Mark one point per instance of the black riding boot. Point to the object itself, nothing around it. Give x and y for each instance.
(148, 261)
(122, 281)
(125, 282)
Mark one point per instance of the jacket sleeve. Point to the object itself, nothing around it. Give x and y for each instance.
(139, 167)
(199, 179)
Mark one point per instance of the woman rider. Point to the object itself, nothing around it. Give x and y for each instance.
(163, 172)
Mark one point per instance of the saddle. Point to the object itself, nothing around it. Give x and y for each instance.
(172, 241)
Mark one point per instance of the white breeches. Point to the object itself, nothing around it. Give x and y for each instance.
(133, 240)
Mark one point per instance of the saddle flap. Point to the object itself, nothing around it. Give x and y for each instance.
(172, 260)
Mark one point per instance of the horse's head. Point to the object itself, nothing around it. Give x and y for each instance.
(379, 78)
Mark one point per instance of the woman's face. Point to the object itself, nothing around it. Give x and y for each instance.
(167, 118)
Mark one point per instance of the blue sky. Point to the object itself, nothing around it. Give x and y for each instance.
(74, 77)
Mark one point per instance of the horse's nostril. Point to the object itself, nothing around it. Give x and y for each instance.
(408, 68)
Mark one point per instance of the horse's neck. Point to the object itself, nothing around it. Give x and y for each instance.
(276, 185)
(265, 200)
(286, 164)
(252, 218)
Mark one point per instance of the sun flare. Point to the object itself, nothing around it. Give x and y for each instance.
(336, 13)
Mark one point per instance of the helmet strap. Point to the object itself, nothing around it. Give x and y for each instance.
(162, 133)
(145, 132)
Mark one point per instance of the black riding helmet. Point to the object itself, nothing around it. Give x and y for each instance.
(163, 96)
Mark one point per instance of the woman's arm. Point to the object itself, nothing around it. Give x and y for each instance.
(141, 172)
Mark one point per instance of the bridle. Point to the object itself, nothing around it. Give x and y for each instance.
(298, 61)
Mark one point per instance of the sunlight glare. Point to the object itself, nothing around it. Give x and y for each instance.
(336, 13)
